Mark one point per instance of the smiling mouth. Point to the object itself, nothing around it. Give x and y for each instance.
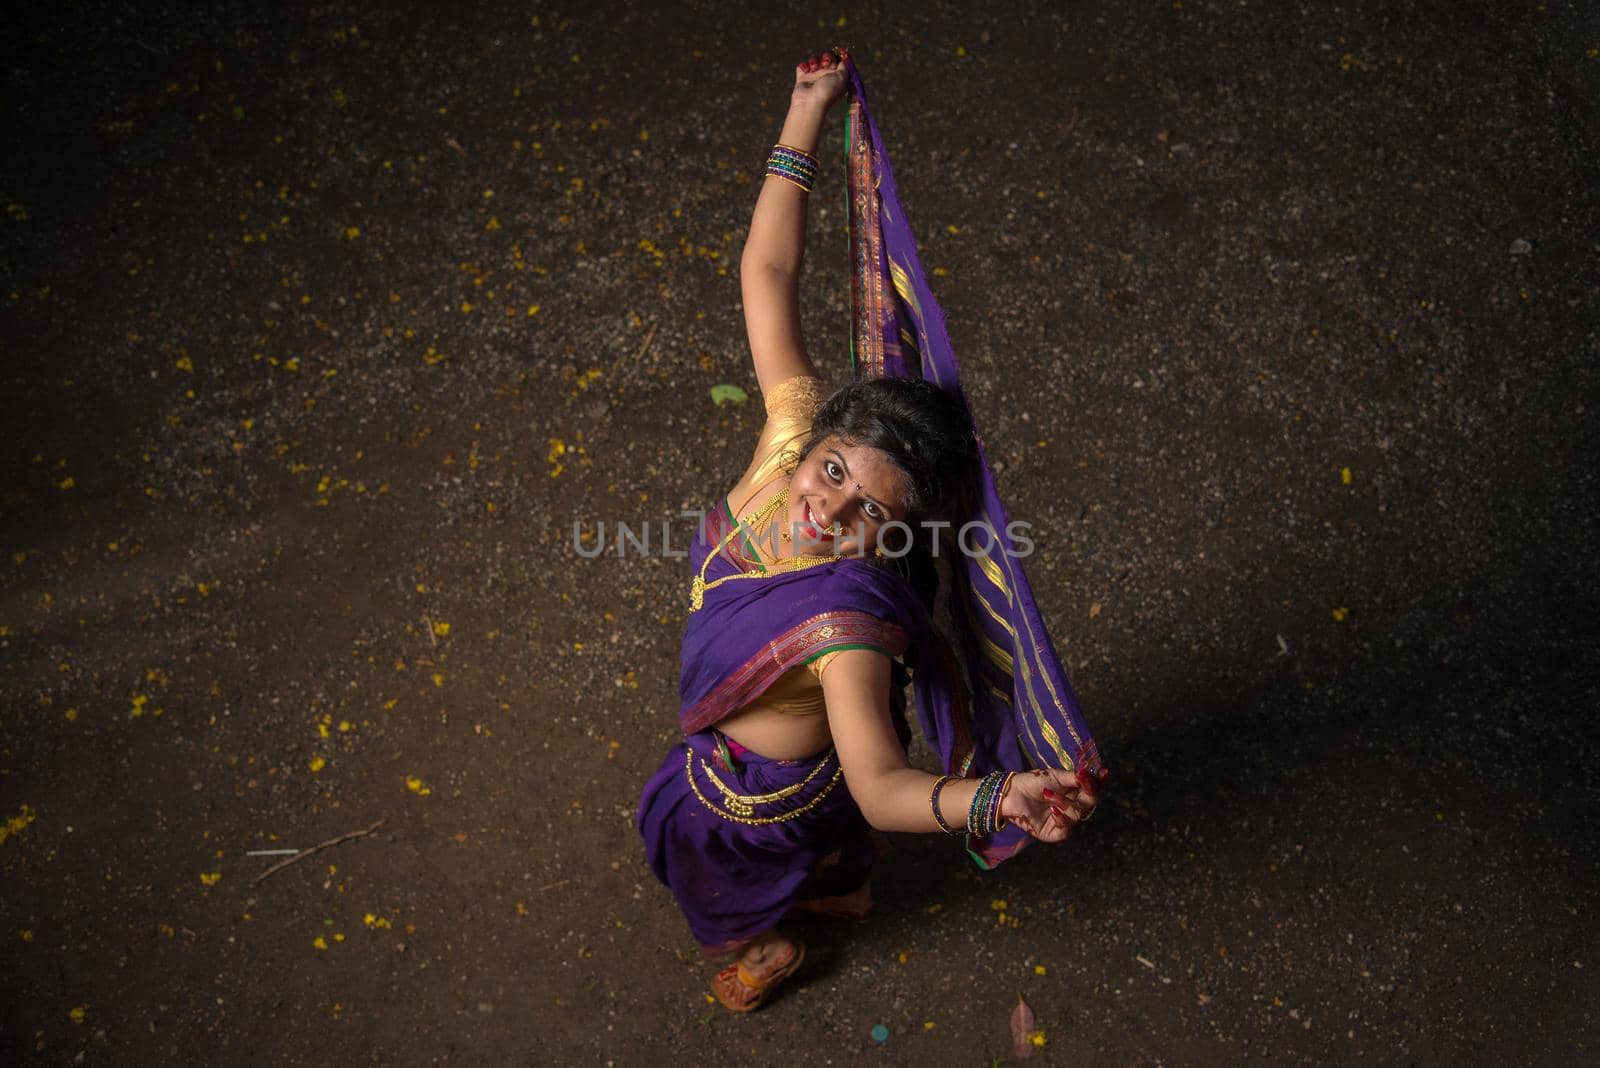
(812, 529)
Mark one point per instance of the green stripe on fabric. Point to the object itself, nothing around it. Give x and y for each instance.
(841, 648)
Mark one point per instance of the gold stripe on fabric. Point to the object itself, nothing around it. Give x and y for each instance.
(1005, 664)
(900, 278)
(991, 571)
(902, 285)
(1050, 738)
(1001, 658)
(1033, 644)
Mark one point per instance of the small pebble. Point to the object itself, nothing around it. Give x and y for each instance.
(880, 1033)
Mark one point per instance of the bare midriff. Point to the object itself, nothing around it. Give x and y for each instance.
(789, 720)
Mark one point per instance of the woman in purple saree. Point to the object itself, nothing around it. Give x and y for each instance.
(812, 597)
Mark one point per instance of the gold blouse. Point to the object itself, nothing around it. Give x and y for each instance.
(791, 406)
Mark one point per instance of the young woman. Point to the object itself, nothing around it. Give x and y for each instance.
(802, 622)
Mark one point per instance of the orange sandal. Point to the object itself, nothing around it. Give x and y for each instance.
(736, 980)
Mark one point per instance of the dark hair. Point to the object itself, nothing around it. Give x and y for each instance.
(924, 431)
(927, 435)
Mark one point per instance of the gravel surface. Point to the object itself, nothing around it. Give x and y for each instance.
(323, 327)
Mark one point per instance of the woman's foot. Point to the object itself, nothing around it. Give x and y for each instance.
(746, 984)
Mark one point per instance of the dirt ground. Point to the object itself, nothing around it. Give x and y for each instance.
(324, 324)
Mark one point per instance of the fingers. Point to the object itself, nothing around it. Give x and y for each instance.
(1069, 798)
(1073, 800)
(1068, 813)
(824, 62)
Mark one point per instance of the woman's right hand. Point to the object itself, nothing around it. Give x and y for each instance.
(1049, 803)
(820, 80)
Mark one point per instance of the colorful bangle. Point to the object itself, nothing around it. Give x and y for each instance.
(984, 818)
(789, 166)
(933, 802)
(794, 166)
(996, 820)
(980, 818)
(803, 156)
(775, 172)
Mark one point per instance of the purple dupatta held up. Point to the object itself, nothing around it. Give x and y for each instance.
(740, 838)
(1021, 702)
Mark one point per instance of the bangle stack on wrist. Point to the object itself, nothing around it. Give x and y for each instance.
(793, 165)
(984, 817)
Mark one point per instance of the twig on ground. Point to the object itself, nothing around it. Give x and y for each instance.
(552, 886)
(315, 849)
(651, 336)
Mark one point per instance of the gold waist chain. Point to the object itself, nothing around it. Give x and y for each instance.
(741, 807)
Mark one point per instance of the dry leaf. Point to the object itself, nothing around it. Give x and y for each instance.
(1022, 1028)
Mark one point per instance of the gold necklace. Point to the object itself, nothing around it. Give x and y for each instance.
(698, 585)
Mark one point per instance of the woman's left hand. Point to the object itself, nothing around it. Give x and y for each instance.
(1048, 803)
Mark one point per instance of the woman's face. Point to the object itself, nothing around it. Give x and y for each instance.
(848, 490)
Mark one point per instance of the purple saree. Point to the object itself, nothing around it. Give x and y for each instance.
(739, 838)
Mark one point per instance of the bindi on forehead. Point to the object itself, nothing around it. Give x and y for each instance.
(870, 473)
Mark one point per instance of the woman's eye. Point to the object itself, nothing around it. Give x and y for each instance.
(872, 510)
(831, 469)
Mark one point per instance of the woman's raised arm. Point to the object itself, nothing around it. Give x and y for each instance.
(769, 270)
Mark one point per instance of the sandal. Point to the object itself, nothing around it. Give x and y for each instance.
(735, 980)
